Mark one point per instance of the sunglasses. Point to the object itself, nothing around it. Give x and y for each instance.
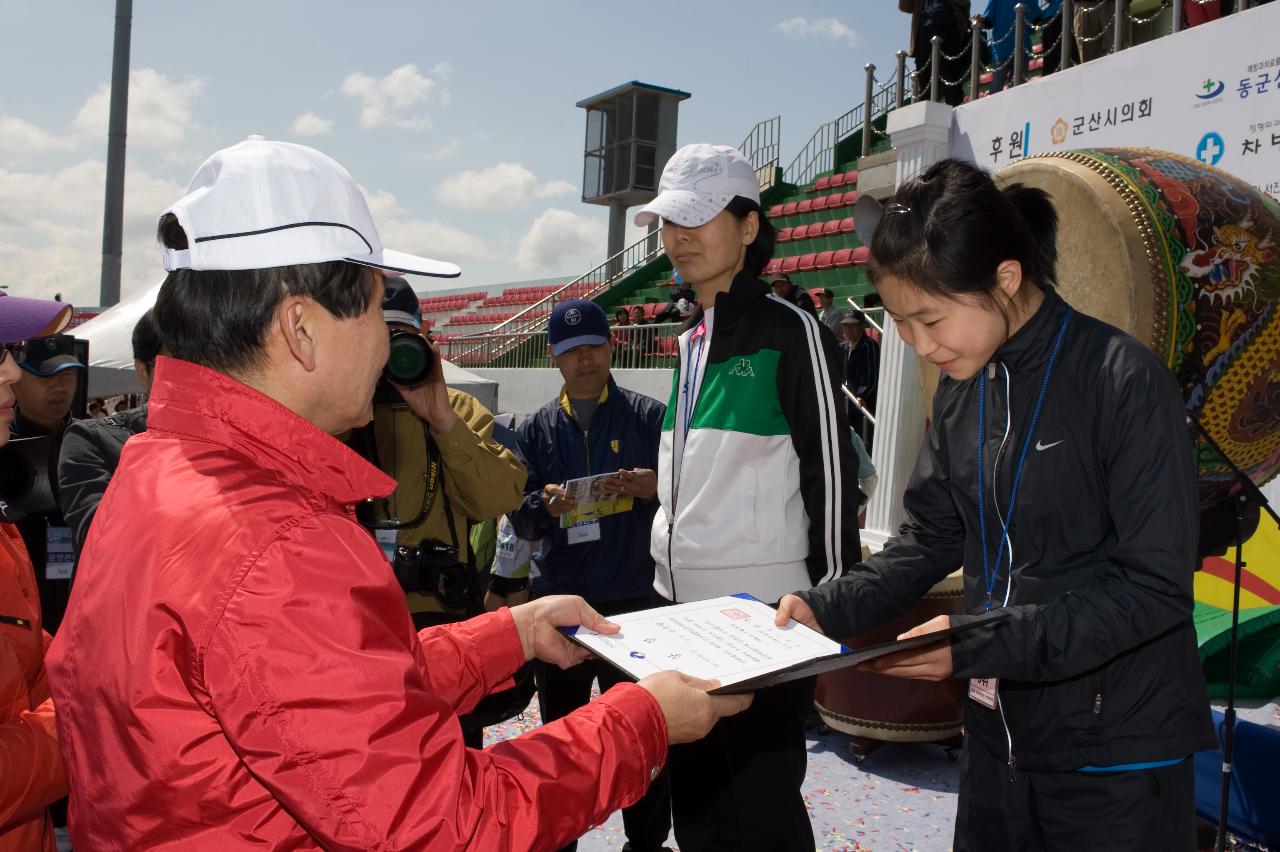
(17, 350)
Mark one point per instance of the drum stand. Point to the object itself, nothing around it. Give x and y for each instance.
(1249, 493)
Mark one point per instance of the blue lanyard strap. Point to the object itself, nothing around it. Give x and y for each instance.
(990, 570)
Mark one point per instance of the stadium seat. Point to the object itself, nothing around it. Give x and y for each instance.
(775, 211)
(819, 204)
(831, 227)
(842, 258)
(669, 346)
(835, 181)
(861, 254)
(773, 266)
(804, 206)
(790, 264)
(784, 235)
(822, 184)
(846, 225)
(835, 200)
(851, 177)
(651, 309)
(789, 209)
(824, 260)
(800, 232)
(806, 263)
(851, 198)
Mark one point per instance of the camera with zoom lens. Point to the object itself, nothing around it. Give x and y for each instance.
(432, 568)
(411, 359)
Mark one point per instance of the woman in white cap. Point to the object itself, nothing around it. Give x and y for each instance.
(757, 480)
(33, 776)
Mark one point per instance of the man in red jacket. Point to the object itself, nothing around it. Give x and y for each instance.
(31, 776)
(238, 668)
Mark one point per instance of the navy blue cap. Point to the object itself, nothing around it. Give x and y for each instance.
(48, 355)
(400, 303)
(577, 322)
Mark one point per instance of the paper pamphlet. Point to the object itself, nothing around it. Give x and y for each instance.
(592, 501)
(733, 640)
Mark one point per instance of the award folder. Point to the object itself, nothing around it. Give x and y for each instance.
(733, 639)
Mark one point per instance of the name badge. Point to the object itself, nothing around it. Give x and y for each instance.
(59, 556)
(387, 541)
(584, 532)
(983, 690)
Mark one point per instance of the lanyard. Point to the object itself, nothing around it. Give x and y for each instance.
(699, 335)
(990, 572)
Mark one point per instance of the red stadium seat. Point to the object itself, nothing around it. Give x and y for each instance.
(835, 200)
(668, 346)
(804, 206)
(789, 209)
(806, 263)
(831, 227)
(822, 184)
(773, 266)
(819, 203)
(851, 177)
(835, 181)
(846, 225)
(784, 235)
(651, 309)
(851, 197)
(824, 260)
(775, 211)
(842, 258)
(799, 232)
(789, 264)
(861, 255)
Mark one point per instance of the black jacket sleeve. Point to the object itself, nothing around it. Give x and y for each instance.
(530, 519)
(85, 466)
(928, 547)
(808, 391)
(1145, 588)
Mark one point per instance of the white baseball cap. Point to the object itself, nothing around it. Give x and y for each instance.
(261, 204)
(698, 182)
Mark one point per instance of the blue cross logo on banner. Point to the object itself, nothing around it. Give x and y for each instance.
(1210, 149)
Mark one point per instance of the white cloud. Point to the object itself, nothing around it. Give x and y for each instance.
(428, 237)
(399, 99)
(51, 230)
(828, 28)
(310, 124)
(505, 185)
(557, 236)
(159, 110)
(23, 137)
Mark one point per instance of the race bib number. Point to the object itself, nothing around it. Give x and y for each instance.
(984, 690)
(584, 532)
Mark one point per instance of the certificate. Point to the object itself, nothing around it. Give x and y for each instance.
(733, 640)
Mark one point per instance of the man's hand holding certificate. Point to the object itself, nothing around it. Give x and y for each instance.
(734, 640)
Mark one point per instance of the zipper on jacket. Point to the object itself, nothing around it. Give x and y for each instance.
(15, 621)
(1097, 693)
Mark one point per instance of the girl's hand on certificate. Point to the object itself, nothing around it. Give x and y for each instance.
(932, 662)
(791, 606)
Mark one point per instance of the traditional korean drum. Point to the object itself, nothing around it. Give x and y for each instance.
(1184, 257)
(893, 709)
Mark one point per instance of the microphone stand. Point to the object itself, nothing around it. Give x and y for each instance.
(1249, 493)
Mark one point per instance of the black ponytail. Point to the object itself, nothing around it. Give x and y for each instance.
(1037, 213)
(760, 252)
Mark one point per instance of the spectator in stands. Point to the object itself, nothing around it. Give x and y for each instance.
(828, 313)
(760, 448)
(1000, 17)
(622, 316)
(1092, 19)
(593, 428)
(31, 772)
(91, 448)
(950, 20)
(637, 315)
(861, 370)
(238, 635)
(50, 375)
(784, 288)
(680, 292)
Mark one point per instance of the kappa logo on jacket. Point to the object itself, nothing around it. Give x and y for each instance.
(743, 368)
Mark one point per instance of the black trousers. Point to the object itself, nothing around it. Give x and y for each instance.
(648, 822)
(739, 788)
(953, 43)
(1144, 809)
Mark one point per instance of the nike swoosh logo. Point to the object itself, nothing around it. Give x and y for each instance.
(1042, 447)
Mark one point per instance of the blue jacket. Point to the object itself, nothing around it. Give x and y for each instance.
(623, 433)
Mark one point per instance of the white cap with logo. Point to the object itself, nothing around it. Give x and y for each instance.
(261, 204)
(698, 182)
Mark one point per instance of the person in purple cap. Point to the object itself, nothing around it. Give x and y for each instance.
(33, 775)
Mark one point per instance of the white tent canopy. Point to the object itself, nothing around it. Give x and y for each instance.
(110, 337)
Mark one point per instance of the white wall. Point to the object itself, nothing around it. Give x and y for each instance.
(524, 391)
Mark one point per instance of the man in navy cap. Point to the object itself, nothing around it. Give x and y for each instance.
(50, 374)
(594, 427)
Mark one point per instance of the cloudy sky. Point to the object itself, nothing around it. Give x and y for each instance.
(458, 119)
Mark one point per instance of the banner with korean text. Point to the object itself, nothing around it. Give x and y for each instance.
(1211, 93)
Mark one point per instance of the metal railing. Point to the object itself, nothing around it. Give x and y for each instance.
(819, 153)
(763, 147)
(511, 332)
(635, 347)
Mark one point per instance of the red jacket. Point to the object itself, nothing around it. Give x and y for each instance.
(238, 667)
(30, 768)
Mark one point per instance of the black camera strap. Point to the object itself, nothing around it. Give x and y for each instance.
(434, 480)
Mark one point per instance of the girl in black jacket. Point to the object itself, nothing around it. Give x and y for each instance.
(1059, 473)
